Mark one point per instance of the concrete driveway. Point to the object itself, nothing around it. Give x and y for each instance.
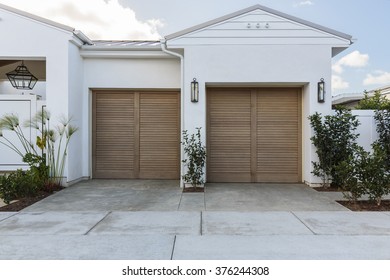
(163, 195)
(154, 220)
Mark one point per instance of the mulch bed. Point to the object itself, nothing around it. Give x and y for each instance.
(366, 205)
(193, 190)
(328, 189)
(361, 205)
(26, 201)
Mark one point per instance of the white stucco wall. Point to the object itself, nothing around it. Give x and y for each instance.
(121, 73)
(76, 163)
(35, 40)
(264, 65)
(39, 89)
(366, 129)
(24, 107)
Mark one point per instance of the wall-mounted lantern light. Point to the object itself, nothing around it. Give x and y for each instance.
(194, 90)
(321, 91)
(21, 78)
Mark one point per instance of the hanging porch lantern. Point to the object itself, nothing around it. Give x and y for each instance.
(21, 78)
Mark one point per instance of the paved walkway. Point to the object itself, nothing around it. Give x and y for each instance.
(154, 220)
(195, 235)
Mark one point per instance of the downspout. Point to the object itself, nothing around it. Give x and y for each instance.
(163, 44)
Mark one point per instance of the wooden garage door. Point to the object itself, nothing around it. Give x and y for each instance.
(136, 135)
(254, 135)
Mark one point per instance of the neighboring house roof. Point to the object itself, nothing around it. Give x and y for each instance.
(352, 98)
(51, 23)
(347, 98)
(383, 90)
(263, 8)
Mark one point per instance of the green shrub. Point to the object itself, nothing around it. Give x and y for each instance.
(382, 119)
(349, 183)
(52, 144)
(335, 141)
(38, 168)
(18, 184)
(374, 102)
(373, 173)
(195, 158)
(365, 173)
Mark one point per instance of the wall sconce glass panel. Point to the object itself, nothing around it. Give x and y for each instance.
(194, 90)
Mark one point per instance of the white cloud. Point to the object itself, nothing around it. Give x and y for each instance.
(98, 19)
(306, 3)
(355, 60)
(337, 68)
(338, 83)
(379, 78)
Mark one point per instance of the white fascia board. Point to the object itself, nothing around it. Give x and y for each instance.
(82, 37)
(346, 97)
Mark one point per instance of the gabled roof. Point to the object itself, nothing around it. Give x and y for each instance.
(265, 9)
(36, 18)
(51, 23)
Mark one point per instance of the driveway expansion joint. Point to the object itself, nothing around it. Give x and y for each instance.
(3, 219)
(201, 223)
(173, 247)
(179, 204)
(314, 233)
(105, 216)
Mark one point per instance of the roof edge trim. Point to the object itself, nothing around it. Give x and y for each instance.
(80, 35)
(36, 18)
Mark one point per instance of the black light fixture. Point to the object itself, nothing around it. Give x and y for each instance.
(321, 91)
(194, 90)
(21, 78)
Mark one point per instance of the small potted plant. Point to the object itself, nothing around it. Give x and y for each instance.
(195, 159)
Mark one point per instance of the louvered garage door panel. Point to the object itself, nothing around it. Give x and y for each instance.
(229, 145)
(136, 135)
(278, 135)
(254, 135)
(113, 155)
(159, 135)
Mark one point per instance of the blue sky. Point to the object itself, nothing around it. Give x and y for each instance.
(364, 66)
